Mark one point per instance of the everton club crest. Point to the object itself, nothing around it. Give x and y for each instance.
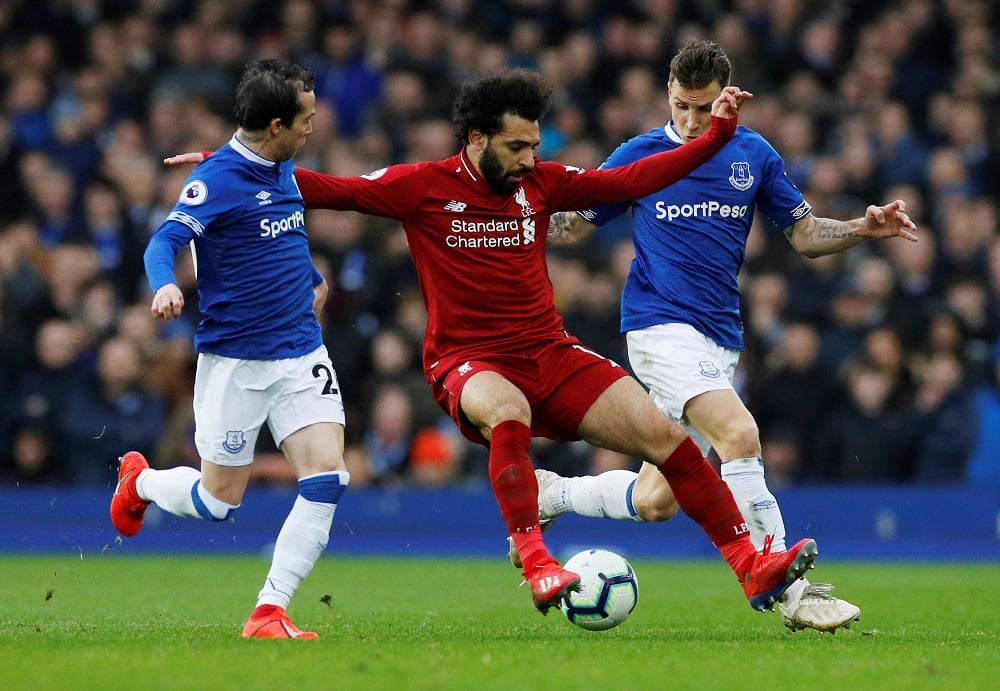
(741, 178)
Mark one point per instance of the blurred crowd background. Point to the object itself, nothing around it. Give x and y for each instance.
(879, 365)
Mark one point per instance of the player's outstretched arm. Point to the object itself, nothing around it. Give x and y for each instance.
(567, 228)
(319, 190)
(815, 237)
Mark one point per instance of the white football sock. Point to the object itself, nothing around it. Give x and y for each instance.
(303, 537)
(169, 489)
(745, 478)
(174, 489)
(608, 495)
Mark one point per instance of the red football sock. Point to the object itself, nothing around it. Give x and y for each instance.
(706, 499)
(516, 490)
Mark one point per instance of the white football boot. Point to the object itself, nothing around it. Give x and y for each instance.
(811, 606)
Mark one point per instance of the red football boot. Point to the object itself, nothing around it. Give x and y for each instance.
(770, 574)
(275, 624)
(550, 584)
(127, 508)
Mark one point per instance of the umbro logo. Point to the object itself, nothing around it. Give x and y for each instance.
(457, 207)
(264, 196)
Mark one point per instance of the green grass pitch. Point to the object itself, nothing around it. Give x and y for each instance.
(115, 621)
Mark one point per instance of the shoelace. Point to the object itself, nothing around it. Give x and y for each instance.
(820, 591)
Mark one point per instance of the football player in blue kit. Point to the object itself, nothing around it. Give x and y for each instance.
(681, 316)
(261, 356)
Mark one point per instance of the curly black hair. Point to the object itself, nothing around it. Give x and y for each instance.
(482, 103)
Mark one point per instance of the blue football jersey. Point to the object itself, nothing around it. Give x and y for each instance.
(246, 219)
(690, 238)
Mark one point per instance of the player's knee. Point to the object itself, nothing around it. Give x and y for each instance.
(655, 508)
(333, 463)
(741, 439)
(510, 411)
(656, 439)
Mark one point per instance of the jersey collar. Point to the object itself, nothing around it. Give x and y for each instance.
(671, 133)
(466, 168)
(241, 148)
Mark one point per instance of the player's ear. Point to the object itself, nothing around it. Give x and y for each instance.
(477, 140)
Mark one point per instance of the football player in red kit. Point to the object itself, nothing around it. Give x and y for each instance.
(495, 351)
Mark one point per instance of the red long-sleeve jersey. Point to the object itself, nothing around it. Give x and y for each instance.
(479, 255)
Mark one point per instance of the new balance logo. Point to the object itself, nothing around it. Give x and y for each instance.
(457, 207)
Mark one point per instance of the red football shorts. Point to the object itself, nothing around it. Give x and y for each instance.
(561, 380)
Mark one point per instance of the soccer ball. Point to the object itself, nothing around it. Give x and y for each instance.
(608, 591)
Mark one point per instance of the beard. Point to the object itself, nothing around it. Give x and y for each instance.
(494, 173)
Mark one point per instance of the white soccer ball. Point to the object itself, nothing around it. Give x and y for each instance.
(609, 590)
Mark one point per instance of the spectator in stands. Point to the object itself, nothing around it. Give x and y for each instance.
(863, 439)
(52, 192)
(433, 460)
(32, 460)
(25, 299)
(902, 155)
(69, 270)
(917, 286)
(115, 412)
(39, 392)
(796, 393)
(119, 248)
(345, 76)
(967, 297)
(389, 434)
(884, 348)
(81, 114)
(395, 360)
(26, 103)
(945, 421)
(783, 447)
(35, 399)
(848, 320)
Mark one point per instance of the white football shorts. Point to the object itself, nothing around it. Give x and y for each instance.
(233, 399)
(676, 363)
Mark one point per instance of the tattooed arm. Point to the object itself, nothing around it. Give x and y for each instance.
(568, 227)
(815, 237)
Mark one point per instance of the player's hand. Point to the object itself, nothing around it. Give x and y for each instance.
(168, 302)
(888, 221)
(727, 105)
(191, 157)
